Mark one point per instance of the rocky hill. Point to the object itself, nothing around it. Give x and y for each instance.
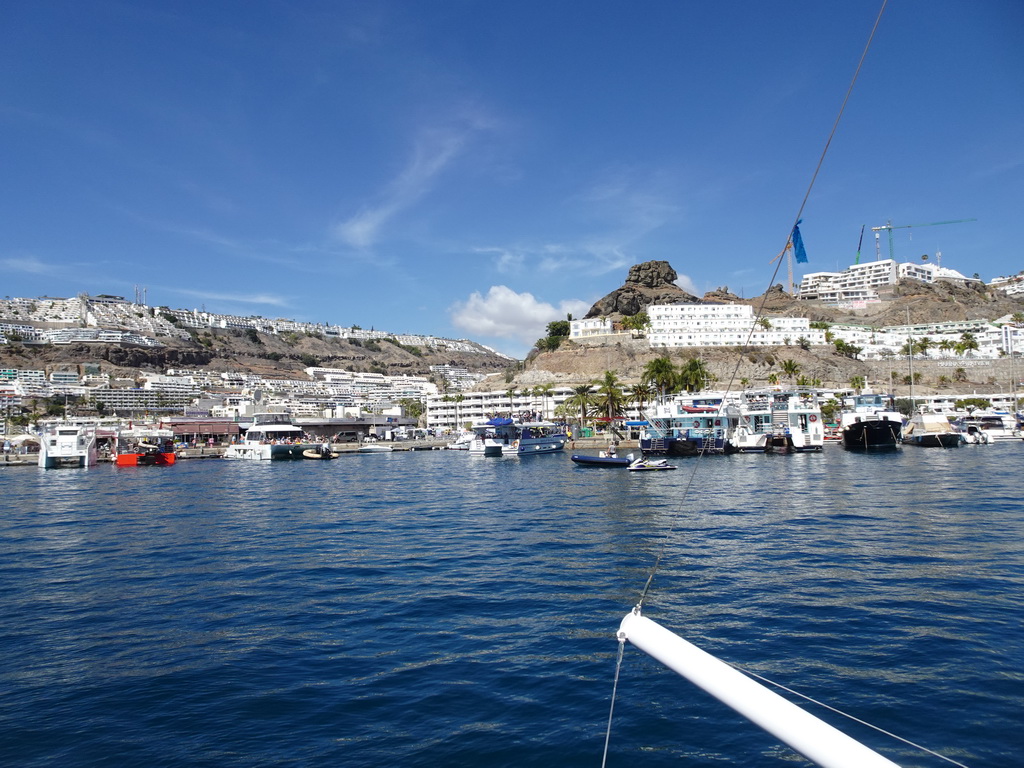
(653, 282)
(276, 356)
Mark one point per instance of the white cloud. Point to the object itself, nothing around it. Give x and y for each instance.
(687, 284)
(434, 150)
(238, 298)
(505, 314)
(31, 265)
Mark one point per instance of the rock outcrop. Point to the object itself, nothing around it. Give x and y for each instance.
(652, 282)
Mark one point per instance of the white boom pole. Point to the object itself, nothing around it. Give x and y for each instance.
(813, 738)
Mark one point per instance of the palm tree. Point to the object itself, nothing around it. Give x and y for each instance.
(458, 399)
(611, 398)
(582, 398)
(661, 374)
(641, 393)
(791, 368)
(857, 382)
(694, 376)
(773, 379)
(510, 393)
(764, 323)
(544, 390)
(967, 343)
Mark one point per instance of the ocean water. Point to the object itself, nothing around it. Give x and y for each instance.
(439, 609)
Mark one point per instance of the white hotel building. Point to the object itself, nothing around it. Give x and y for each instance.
(707, 325)
(858, 284)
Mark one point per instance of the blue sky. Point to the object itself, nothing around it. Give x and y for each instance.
(479, 169)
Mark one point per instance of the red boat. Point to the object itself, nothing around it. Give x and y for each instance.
(145, 447)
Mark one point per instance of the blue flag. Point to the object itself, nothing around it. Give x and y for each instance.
(798, 244)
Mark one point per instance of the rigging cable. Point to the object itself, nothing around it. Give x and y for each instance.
(764, 297)
(759, 315)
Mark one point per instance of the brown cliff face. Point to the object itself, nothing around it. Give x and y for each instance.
(652, 282)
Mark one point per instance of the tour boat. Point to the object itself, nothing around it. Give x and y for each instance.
(144, 446)
(687, 425)
(63, 444)
(271, 436)
(780, 420)
(502, 436)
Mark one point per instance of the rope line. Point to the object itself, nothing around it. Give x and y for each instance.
(611, 707)
(732, 379)
(847, 715)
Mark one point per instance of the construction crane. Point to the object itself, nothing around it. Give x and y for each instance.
(889, 226)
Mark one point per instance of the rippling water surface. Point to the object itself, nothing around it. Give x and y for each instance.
(438, 609)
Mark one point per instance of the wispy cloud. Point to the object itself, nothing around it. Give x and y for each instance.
(29, 265)
(261, 299)
(433, 151)
(611, 215)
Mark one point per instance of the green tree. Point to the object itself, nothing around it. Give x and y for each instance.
(610, 397)
(791, 368)
(581, 401)
(857, 382)
(641, 393)
(413, 408)
(694, 376)
(559, 328)
(639, 322)
(967, 343)
(661, 374)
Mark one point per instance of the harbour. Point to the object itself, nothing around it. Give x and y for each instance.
(436, 608)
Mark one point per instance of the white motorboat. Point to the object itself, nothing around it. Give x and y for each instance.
(987, 427)
(502, 436)
(929, 429)
(271, 436)
(63, 444)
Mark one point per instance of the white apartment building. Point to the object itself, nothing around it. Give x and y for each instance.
(859, 283)
(1013, 285)
(884, 343)
(724, 325)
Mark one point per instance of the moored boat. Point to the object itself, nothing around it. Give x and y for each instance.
(271, 436)
(930, 430)
(780, 420)
(142, 446)
(870, 423)
(64, 444)
(502, 436)
(987, 427)
(688, 425)
(602, 460)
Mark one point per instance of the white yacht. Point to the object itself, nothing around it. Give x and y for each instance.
(987, 427)
(271, 436)
(781, 420)
(502, 436)
(690, 424)
(67, 445)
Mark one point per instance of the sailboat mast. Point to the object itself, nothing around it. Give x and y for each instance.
(910, 361)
